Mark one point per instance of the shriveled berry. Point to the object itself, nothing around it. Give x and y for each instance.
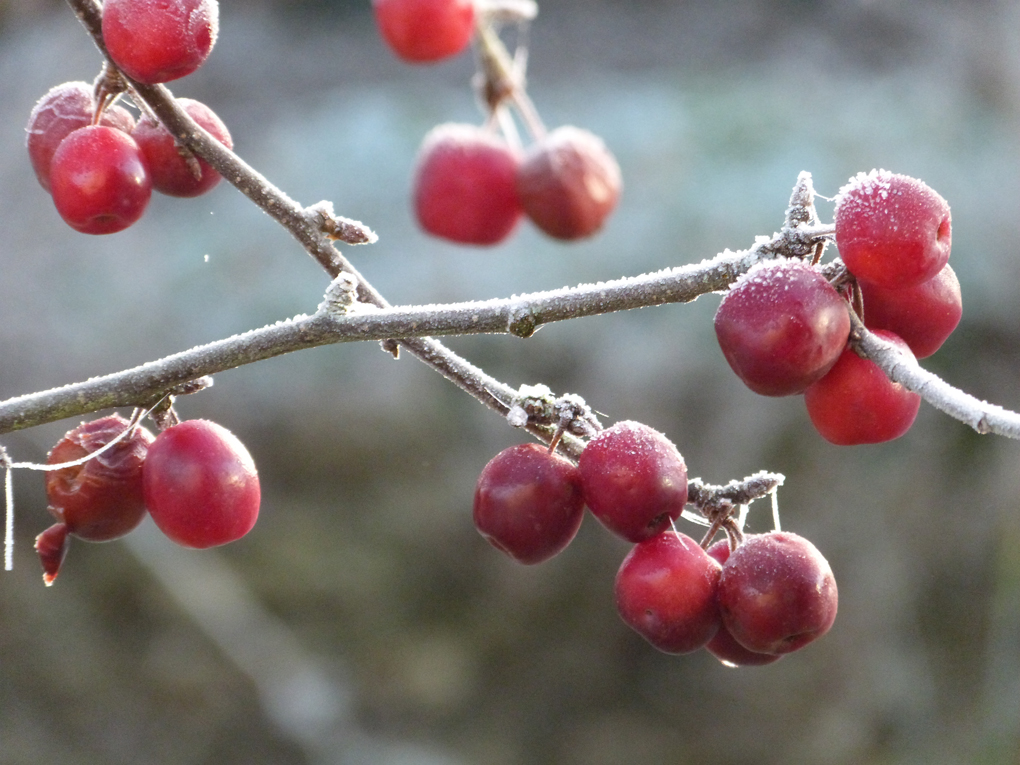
(777, 593)
(892, 230)
(634, 480)
(666, 591)
(781, 327)
(64, 109)
(51, 546)
(422, 31)
(201, 485)
(723, 645)
(528, 502)
(856, 403)
(174, 170)
(160, 40)
(569, 183)
(100, 499)
(924, 315)
(99, 181)
(464, 185)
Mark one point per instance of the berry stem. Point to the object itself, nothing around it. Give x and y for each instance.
(502, 78)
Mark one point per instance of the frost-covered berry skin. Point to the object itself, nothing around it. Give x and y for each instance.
(781, 327)
(723, 645)
(201, 485)
(924, 315)
(464, 186)
(634, 480)
(892, 230)
(424, 31)
(666, 591)
(101, 499)
(64, 109)
(856, 403)
(160, 40)
(99, 181)
(528, 502)
(171, 172)
(777, 593)
(569, 183)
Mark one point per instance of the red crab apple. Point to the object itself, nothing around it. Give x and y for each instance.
(777, 593)
(98, 500)
(666, 591)
(528, 502)
(781, 327)
(923, 315)
(64, 109)
(568, 183)
(464, 185)
(201, 485)
(156, 41)
(174, 172)
(856, 403)
(99, 181)
(723, 645)
(422, 31)
(634, 480)
(892, 230)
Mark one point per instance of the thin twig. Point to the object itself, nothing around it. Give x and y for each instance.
(520, 315)
(904, 369)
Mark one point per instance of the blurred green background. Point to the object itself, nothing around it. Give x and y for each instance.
(364, 620)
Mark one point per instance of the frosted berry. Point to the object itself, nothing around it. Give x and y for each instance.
(174, 171)
(569, 183)
(101, 499)
(924, 315)
(64, 109)
(781, 327)
(723, 645)
(464, 185)
(892, 230)
(99, 181)
(422, 31)
(528, 502)
(155, 41)
(777, 593)
(201, 485)
(634, 480)
(856, 403)
(666, 591)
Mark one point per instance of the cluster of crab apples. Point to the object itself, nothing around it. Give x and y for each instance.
(473, 184)
(195, 479)
(747, 599)
(98, 162)
(784, 328)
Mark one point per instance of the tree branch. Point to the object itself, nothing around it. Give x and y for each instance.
(904, 369)
(340, 321)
